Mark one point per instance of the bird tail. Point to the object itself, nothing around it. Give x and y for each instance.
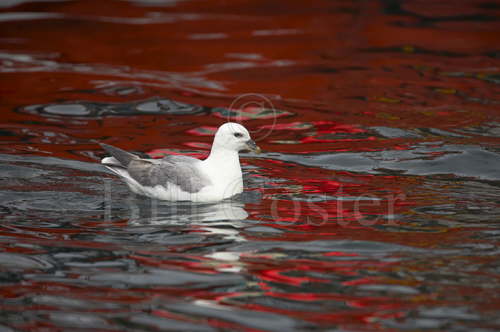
(123, 157)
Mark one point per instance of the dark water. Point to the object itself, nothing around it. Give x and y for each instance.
(374, 207)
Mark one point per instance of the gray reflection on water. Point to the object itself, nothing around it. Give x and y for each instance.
(155, 212)
(459, 160)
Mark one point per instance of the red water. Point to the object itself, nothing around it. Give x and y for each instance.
(373, 207)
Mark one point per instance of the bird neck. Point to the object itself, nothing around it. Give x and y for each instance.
(223, 156)
(224, 171)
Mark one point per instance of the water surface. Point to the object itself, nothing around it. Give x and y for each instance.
(374, 206)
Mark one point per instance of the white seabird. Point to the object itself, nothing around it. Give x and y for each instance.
(183, 178)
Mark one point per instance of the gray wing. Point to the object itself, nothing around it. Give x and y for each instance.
(121, 156)
(179, 159)
(178, 170)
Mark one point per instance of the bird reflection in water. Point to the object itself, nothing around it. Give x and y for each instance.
(222, 218)
(156, 212)
(218, 223)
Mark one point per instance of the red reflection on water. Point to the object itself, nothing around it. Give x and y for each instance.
(331, 73)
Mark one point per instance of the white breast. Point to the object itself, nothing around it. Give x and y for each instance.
(224, 172)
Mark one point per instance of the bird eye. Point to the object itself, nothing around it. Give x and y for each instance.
(238, 135)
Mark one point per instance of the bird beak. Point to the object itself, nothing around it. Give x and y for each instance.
(252, 146)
